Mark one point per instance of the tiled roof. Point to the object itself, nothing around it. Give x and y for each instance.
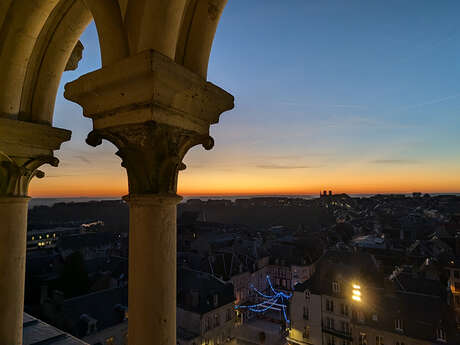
(36, 332)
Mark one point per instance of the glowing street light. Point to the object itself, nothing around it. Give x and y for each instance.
(356, 293)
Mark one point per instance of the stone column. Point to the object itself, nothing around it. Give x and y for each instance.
(152, 263)
(23, 148)
(153, 110)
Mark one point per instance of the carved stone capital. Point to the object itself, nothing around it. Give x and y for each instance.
(24, 147)
(153, 110)
(15, 175)
(152, 153)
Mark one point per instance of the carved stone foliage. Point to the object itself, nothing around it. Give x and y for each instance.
(16, 174)
(151, 152)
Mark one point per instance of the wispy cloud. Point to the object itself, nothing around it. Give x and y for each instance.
(276, 166)
(395, 161)
(351, 106)
(83, 159)
(430, 102)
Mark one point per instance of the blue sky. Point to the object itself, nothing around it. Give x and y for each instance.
(347, 95)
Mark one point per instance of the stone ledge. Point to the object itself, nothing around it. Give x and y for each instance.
(149, 87)
(27, 139)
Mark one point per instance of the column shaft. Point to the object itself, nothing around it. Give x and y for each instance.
(13, 239)
(152, 269)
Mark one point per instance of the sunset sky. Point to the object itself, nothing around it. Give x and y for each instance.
(352, 96)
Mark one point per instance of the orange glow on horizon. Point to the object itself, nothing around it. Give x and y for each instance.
(112, 182)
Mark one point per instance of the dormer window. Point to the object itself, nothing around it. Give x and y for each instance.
(335, 287)
(399, 326)
(441, 334)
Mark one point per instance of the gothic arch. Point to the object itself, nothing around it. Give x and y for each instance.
(38, 37)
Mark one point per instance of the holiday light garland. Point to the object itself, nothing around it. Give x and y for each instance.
(273, 302)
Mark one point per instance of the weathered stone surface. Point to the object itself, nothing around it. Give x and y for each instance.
(149, 87)
(153, 110)
(152, 153)
(75, 57)
(24, 147)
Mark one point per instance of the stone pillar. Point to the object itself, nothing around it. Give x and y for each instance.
(13, 215)
(153, 110)
(24, 147)
(152, 263)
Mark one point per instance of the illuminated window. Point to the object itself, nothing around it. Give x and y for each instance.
(110, 341)
(40, 237)
(33, 238)
(47, 235)
(356, 293)
(379, 340)
(362, 339)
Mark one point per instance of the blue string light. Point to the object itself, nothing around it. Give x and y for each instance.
(269, 302)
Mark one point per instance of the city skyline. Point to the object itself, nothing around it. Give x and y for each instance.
(356, 98)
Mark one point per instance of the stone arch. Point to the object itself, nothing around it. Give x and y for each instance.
(37, 39)
(150, 98)
(52, 51)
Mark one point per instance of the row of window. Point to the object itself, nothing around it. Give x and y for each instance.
(344, 326)
(331, 340)
(330, 307)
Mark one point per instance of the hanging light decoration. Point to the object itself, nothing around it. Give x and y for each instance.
(276, 301)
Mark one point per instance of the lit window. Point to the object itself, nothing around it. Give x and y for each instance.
(378, 340)
(47, 235)
(362, 339)
(33, 238)
(356, 293)
(110, 341)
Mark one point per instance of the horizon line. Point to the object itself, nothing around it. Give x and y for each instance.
(205, 195)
